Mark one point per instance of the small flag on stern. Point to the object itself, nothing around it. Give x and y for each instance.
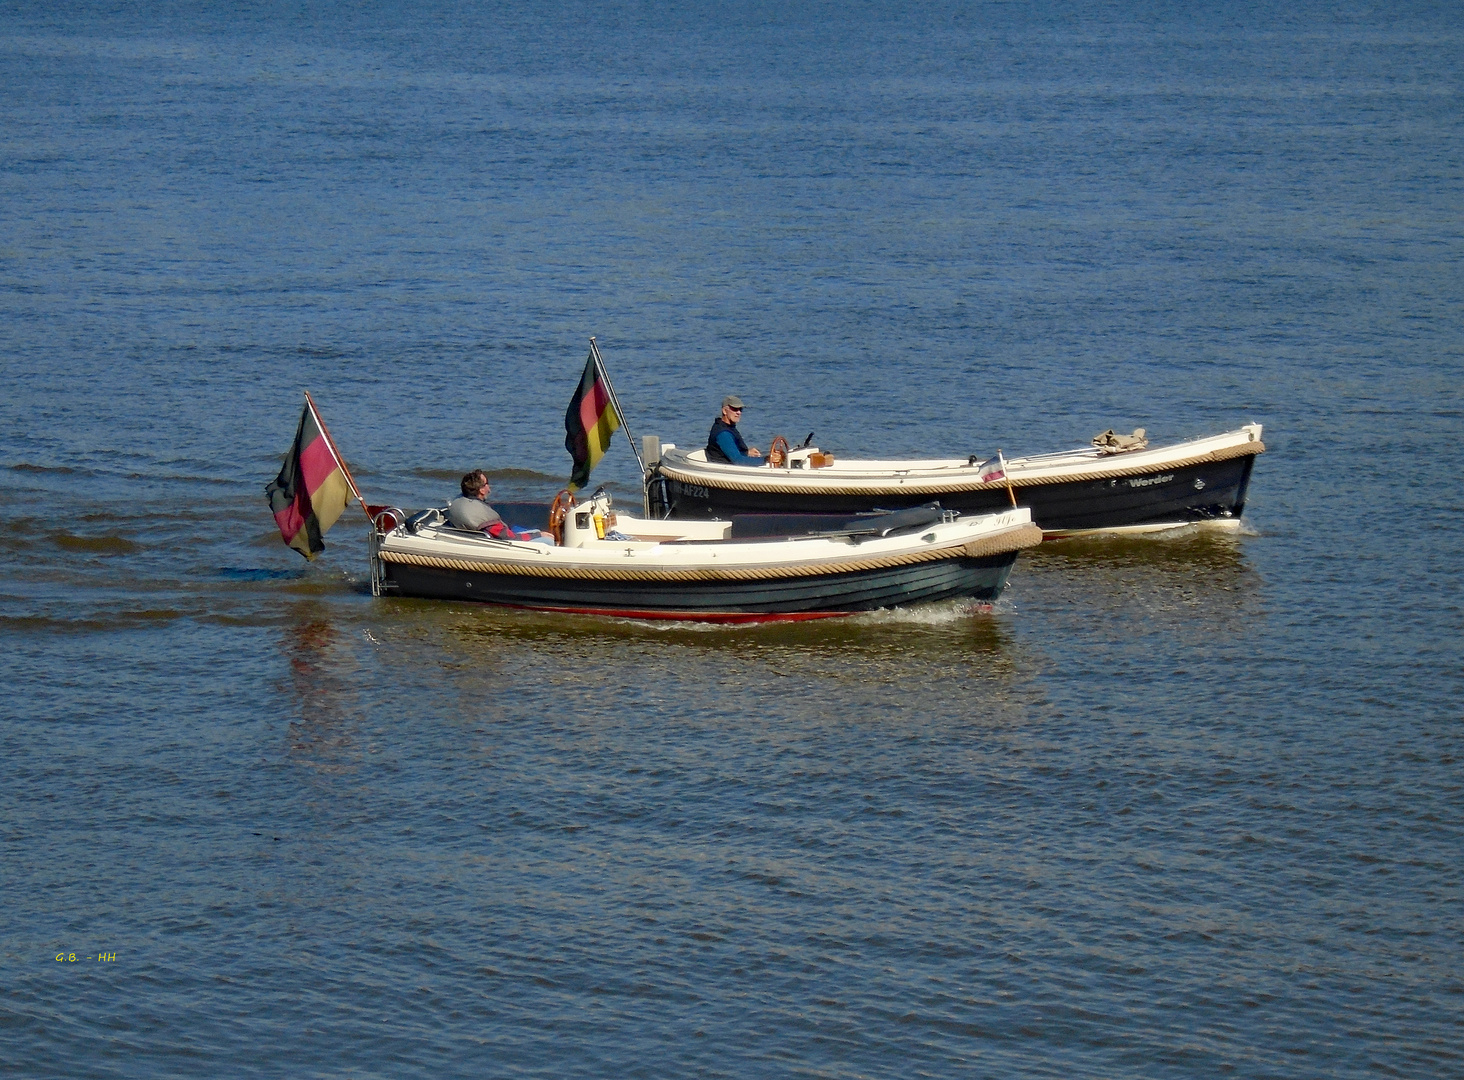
(991, 469)
(313, 486)
(590, 420)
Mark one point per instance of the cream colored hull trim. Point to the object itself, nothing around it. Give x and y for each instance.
(1220, 525)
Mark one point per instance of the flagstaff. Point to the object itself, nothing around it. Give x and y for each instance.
(615, 401)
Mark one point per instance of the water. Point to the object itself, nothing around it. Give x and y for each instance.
(1176, 807)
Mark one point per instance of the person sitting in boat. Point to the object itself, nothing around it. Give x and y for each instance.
(725, 441)
(470, 510)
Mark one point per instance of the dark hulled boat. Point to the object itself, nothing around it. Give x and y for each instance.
(1197, 482)
(689, 570)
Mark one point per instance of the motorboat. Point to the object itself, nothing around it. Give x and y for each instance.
(1118, 484)
(615, 564)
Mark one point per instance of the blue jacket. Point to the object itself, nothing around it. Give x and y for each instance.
(725, 444)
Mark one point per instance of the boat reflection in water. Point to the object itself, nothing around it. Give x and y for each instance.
(1198, 593)
(909, 667)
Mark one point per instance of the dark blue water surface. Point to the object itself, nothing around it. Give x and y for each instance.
(1178, 807)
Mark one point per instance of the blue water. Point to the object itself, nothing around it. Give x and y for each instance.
(1177, 807)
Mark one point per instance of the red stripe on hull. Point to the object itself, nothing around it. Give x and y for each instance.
(690, 616)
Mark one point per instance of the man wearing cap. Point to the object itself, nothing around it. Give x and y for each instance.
(725, 442)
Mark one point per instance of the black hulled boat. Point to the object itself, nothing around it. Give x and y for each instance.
(1091, 489)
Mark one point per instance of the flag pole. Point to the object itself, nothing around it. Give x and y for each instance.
(614, 400)
(1005, 475)
(336, 453)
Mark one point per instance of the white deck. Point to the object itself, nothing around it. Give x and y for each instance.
(801, 553)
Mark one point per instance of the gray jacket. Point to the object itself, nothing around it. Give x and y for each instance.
(469, 513)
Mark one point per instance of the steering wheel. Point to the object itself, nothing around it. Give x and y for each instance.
(558, 511)
(778, 453)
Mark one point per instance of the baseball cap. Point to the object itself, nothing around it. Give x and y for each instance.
(731, 401)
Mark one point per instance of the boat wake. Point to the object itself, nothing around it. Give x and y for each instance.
(944, 613)
(940, 614)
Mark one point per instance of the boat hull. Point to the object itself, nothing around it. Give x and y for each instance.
(1210, 494)
(979, 578)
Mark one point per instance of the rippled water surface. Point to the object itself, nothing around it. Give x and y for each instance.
(1187, 806)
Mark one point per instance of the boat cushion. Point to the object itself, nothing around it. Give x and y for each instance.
(888, 522)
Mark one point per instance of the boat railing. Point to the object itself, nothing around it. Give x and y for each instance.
(386, 518)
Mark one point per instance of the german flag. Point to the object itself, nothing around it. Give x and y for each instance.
(312, 489)
(589, 421)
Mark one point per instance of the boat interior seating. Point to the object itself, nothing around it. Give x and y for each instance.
(433, 515)
(890, 522)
